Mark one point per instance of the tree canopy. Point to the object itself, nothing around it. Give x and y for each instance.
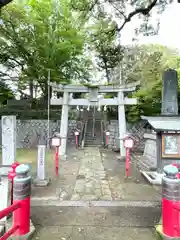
(41, 36)
(148, 67)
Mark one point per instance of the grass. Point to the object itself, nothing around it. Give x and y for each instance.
(29, 156)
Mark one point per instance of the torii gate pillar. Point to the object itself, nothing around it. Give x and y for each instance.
(64, 125)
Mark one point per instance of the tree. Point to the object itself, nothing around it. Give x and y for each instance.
(5, 93)
(38, 37)
(4, 3)
(107, 53)
(122, 11)
(109, 17)
(148, 67)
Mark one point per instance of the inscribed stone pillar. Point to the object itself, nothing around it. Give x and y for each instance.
(122, 123)
(8, 124)
(170, 93)
(64, 125)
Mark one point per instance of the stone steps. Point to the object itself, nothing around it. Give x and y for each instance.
(93, 223)
(93, 140)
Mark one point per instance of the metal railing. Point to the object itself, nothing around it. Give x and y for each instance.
(4, 213)
(93, 122)
(84, 135)
(103, 137)
(81, 133)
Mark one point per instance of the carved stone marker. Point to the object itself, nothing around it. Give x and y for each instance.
(169, 105)
(8, 124)
(8, 139)
(41, 178)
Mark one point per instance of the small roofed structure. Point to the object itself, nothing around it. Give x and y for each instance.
(166, 128)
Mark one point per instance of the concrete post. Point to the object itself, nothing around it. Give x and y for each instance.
(64, 125)
(122, 123)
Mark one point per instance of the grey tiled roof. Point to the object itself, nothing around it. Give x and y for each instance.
(164, 123)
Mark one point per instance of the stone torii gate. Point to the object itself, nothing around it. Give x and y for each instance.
(93, 100)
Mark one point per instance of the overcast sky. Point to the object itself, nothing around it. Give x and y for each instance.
(169, 33)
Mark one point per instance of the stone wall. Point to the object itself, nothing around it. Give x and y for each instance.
(136, 130)
(30, 132)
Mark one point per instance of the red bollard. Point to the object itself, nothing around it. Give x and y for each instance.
(127, 162)
(21, 195)
(128, 144)
(107, 138)
(56, 142)
(57, 161)
(76, 139)
(11, 176)
(170, 199)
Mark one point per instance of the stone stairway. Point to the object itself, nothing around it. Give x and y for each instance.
(91, 140)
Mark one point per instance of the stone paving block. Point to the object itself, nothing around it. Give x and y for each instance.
(114, 233)
(106, 197)
(89, 197)
(78, 233)
(75, 197)
(57, 232)
(97, 192)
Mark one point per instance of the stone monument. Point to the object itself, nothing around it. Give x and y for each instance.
(166, 129)
(41, 179)
(8, 124)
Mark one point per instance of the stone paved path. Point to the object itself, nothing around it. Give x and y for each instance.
(91, 183)
(95, 174)
(102, 204)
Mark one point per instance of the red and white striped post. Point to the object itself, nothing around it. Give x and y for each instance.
(128, 144)
(107, 137)
(56, 142)
(76, 133)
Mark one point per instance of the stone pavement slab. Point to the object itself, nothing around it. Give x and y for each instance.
(96, 216)
(93, 223)
(94, 233)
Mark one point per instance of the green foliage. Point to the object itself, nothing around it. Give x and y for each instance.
(5, 93)
(148, 67)
(42, 36)
(108, 18)
(107, 53)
